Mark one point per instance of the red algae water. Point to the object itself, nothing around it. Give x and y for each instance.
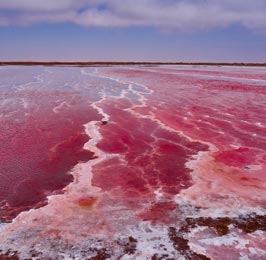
(131, 162)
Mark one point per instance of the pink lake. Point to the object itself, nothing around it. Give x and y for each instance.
(133, 162)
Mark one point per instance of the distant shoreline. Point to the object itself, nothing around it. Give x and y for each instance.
(107, 63)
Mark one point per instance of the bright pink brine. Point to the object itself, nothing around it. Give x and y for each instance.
(133, 162)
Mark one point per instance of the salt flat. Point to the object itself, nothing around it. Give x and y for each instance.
(133, 162)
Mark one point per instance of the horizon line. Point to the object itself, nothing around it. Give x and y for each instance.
(93, 63)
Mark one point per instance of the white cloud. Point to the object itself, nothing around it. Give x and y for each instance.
(162, 14)
(40, 5)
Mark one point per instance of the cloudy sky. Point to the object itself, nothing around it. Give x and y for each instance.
(135, 30)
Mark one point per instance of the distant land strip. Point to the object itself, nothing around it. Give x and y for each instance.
(118, 63)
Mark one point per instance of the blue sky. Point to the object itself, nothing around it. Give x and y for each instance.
(133, 30)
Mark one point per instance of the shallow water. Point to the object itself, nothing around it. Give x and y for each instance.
(133, 162)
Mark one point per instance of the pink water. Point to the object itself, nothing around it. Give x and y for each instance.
(133, 163)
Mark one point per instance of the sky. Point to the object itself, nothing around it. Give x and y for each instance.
(133, 30)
